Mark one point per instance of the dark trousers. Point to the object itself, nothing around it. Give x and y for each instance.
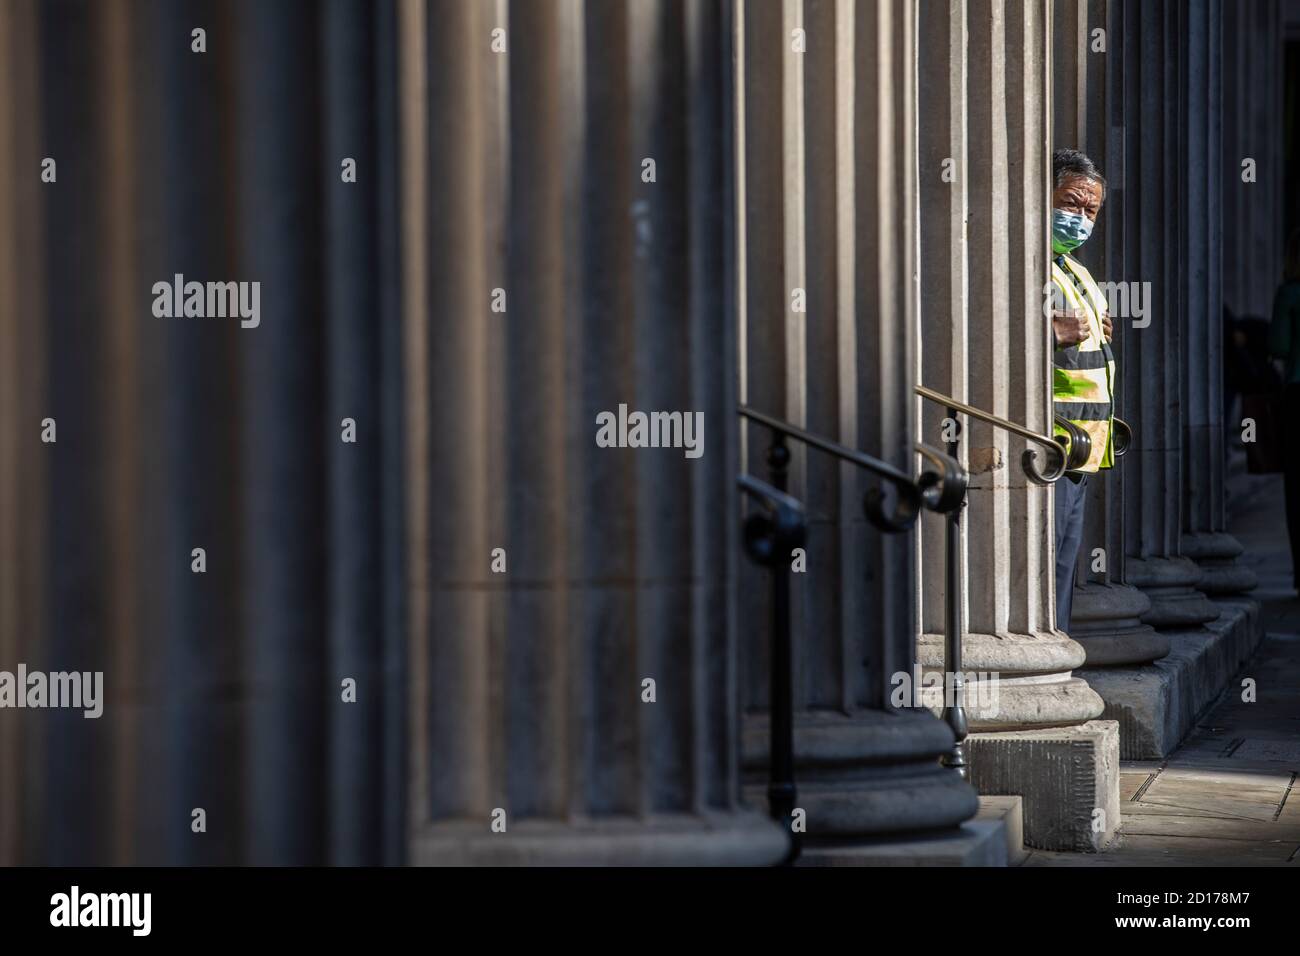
(1291, 472)
(1070, 498)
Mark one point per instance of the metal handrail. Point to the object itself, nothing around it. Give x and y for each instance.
(1058, 455)
(938, 490)
(1078, 444)
(1069, 453)
(769, 539)
(784, 525)
(943, 491)
(1123, 436)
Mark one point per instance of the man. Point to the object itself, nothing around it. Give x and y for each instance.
(1083, 376)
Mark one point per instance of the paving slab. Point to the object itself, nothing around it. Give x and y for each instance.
(1229, 794)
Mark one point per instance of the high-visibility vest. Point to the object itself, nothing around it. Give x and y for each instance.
(1083, 375)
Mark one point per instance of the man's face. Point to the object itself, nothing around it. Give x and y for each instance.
(1078, 195)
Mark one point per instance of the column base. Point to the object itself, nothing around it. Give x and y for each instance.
(1107, 621)
(979, 842)
(742, 838)
(871, 773)
(1170, 584)
(1068, 778)
(1216, 553)
(1016, 680)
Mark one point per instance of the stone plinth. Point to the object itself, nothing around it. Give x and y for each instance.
(1073, 773)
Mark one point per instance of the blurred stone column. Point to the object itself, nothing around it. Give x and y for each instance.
(221, 692)
(986, 340)
(1205, 538)
(559, 276)
(1152, 372)
(830, 216)
(24, 459)
(367, 587)
(1088, 73)
(1254, 177)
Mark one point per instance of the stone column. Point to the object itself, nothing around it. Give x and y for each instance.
(1252, 43)
(560, 276)
(1205, 538)
(829, 205)
(1153, 216)
(986, 342)
(24, 464)
(367, 630)
(1088, 76)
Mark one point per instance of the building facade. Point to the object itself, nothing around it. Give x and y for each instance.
(480, 628)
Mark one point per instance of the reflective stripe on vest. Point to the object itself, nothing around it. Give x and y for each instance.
(1083, 375)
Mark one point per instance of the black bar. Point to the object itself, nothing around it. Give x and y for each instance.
(954, 713)
(881, 468)
(781, 786)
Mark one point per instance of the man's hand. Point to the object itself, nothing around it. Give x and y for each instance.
(1070, 327)
(1106, 328)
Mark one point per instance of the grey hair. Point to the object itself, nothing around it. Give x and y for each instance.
(1068, 163)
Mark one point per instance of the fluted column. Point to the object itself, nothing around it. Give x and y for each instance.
(558, 282)
(24, 468)
(224, 737)
(830, 212)
(367, 635)
(1088, 73)
(984, 340)
(1205, 538)
(1252, 46)
(1154, 222)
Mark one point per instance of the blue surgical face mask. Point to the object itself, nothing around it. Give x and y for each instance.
(1070, 230)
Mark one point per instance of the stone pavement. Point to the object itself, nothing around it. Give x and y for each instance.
(1228, 796)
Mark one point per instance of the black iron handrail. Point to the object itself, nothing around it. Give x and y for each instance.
(1078, 444)
(1058, 454)
(933, 491)
(954, 700)
(1073, 451)
(1123, 436)
(783, 523)
(770, 538)
(1079, 447)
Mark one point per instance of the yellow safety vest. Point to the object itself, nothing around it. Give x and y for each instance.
(1083, 375)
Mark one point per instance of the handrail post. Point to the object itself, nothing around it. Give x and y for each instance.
(954, 710)
(781, 786)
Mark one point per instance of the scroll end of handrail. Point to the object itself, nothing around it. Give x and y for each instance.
(771, 534)
(943, 487)
(1049, 475)
(1122, 434)
(901, 515)
(1078, 444)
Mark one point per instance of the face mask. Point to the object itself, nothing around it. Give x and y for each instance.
(1069, 230)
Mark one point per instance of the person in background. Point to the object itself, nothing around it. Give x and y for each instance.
(1083, 373)
(1284, 344)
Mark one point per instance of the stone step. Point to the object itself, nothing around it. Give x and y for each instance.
(1159, 704)
(1009, 811)
(983, 840)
